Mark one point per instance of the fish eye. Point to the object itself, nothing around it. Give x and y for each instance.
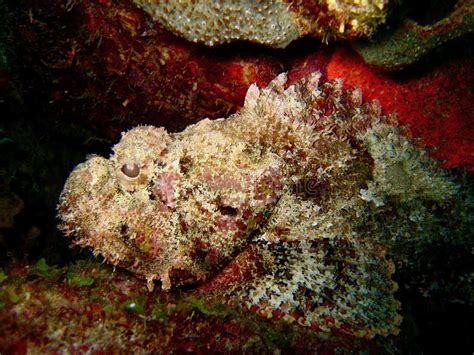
(130, 170)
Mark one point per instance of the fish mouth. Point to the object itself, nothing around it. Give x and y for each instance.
(97, 213)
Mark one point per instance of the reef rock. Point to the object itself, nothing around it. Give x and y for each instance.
(299, 191)
(397, 48)
(274, 23)
(105, 65)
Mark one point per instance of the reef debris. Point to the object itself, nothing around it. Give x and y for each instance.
(301, 188)
(274, 23)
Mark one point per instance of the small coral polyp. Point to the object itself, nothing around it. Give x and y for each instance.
(303, 190)
(274, 23)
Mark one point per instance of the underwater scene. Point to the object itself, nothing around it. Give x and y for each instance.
(236, 176)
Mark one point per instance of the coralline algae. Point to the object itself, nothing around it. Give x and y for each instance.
(302, 189)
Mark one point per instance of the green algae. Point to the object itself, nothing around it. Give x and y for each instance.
(3, 276)
(77, 280)
(108, 308)
(12, 294)
(206, 308)
(159, 313)
(43, 270)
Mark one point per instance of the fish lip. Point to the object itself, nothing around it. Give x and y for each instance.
(98, 168)
(80, 192)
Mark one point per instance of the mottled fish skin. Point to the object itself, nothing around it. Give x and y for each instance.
(297, 176)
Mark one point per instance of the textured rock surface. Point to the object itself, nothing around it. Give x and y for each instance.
(87, 307)
(397, 48)
(103, 64)
(102, 85)
(274, 23)
(298, 186)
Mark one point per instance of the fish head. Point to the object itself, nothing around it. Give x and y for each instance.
(165, 212)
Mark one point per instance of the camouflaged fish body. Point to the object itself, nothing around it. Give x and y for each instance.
(304, 175)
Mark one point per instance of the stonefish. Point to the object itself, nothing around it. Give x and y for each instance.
(298, 197)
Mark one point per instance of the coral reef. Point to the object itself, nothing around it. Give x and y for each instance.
(397, 48)
(274, 23)
(101, 85)
(304, 188)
